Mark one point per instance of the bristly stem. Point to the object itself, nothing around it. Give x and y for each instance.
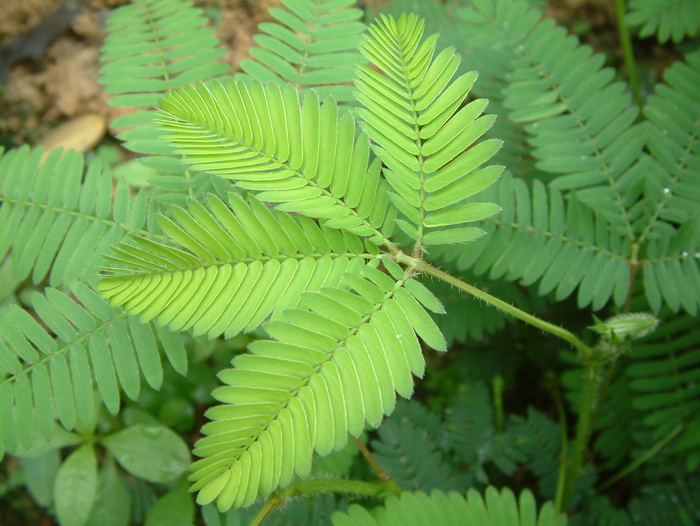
(571, 470)
(270, 504)
(322, 486)
(628, 55)
(422, 266)
(589, 401)
(564, 449)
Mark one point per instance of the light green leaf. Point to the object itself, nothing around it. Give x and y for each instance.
(467, 213)
(427, 144)
(424, 296)
(453, 236)
(421, 321)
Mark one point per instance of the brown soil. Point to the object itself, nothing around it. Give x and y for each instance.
(63, 82)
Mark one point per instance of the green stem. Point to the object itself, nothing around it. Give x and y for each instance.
(270, 505)
(322, 486)
(628, 54)
(497, 386)
(379, 470)
(306, 488)
(591, 386)
(559, 332)
(592, 372)
(634, 265)
(609, 373)
(653, 450)
(564, 448)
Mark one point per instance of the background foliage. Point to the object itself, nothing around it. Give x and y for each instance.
(98, 411)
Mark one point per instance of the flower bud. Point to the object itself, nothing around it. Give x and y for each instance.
(625, 327)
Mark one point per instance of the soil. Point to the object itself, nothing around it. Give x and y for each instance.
(62, 82)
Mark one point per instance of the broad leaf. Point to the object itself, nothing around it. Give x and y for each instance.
(76, 486)
(153, 453)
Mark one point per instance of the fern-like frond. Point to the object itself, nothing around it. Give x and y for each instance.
(538, 439)
(152, 47)
(491, 51)
(593, 145)
(304, 159)
(418, 509)
(469, 420)
(672, 191)
(412, 453)
(234, 264)
(50, 364)
(669, 19)
(60, 226)
(598, 510)
(673, 504)
(333, 366)
(664, 375)
(423, 135)
(671, 259)
(555, 88)
(563, 243)
(472, 438)
(617, 418)
(313, 44)
(315, 510)
(671, 267)
(541, 236)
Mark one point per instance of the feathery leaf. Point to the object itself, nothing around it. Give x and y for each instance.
(50, 371)
(303, 158)
(422, 134)
(669, 19)
(417, 509)
(333, 366)
(152, 47)
(312, 45)
(60, 226)
(233, 266)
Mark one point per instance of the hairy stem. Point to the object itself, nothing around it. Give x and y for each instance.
(559, 332)
(270, 504)
(309, 487)
(628, 55)
(605, 386)
(589, 398)
(564, 448)
(323, 486)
